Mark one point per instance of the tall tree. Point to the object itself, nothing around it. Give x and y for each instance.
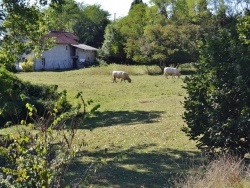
(135, 2)
(168, 45)
(181, 12)
(112, 48)
(90, 25)
(23, 26)
(63, 16)
(164, 6)
(132, 28)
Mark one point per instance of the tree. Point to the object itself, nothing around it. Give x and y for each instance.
(135, 2)
(168, 45)
(63, 16)
(22, 28)
(181, 12)
(243, 28)
(90, 25)
(217, 108)
(112, 48)
(132, 27)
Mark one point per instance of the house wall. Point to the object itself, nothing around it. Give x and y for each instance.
(58, 57)
(88, 56)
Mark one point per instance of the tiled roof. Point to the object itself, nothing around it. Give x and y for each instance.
(85, 47)
(63, 37)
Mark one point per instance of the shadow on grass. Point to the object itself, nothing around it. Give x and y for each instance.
(111, 118)
(135, 168)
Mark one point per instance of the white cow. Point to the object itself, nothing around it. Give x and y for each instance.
(171, 71)
(120, 75)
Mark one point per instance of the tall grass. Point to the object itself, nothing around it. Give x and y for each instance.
(224, 172)
(131, 69)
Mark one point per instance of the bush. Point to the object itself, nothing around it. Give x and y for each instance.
(14, 94)
(187, 68)
(41, 152)
(153, 70)
(217, 108)
(39, 156)
(28, 65)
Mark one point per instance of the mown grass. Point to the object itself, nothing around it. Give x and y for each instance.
(135, 136)
(136, 131)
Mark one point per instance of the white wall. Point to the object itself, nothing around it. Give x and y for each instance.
(60, 57)
(87, 55)
(57, 57)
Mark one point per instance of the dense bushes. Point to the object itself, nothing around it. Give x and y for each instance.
(218, 102)
(15, 93)
(38, 156)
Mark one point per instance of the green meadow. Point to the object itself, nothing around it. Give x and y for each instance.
(135, 137)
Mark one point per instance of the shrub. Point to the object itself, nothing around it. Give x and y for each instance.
(217, 108)
(153, 70)
(27, 66)
(15, 93)
(39, 155)
(187, 68)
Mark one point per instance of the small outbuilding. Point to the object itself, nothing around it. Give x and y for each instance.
(66, 54)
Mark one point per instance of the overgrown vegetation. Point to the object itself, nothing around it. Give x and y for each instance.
(28, 65)
(223, 171)
(15, 94)
(136, 124)
(128, 131)
(212, 33)
(39, 155)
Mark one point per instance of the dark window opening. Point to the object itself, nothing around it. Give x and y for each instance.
(43, 62)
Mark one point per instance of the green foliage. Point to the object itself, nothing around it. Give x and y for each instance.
(39, 156)
(132, 28)
(217, 106)
(112, 48)
(7, 81)
(244, 27)
(62, 16)
(23, 26)
(90, 25)
(165, 45)
(15, 94)
(27, 66)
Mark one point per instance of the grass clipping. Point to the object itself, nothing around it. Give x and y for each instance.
(224, 172)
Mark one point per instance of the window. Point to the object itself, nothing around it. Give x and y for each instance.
(43, 62)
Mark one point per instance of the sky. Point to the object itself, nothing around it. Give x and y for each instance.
(118, 8)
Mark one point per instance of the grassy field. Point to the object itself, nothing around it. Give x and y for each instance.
(136, 131)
